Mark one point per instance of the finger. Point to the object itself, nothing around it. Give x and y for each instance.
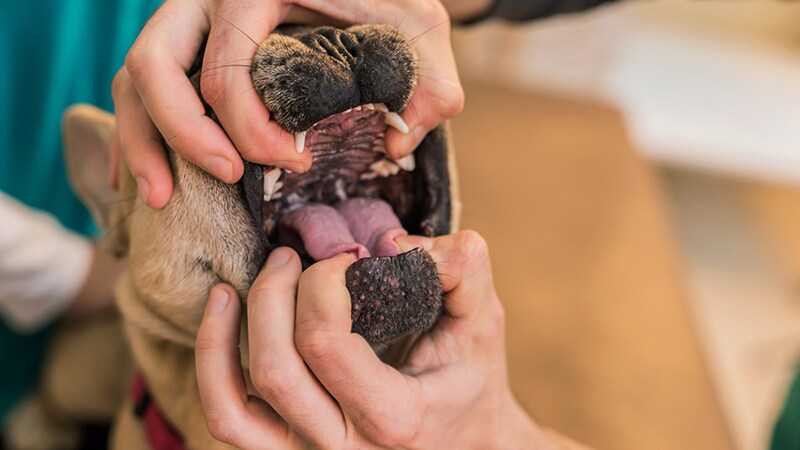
(464, 267)
(276, 368)
(372, 393)
(140, 143)
(231, 416)
(472, 327)
(238, 28)
(157, 63)
(438, 95)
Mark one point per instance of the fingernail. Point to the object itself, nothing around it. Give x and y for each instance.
(144, 188)
(219, 167)
(218, 300)
(278, 258)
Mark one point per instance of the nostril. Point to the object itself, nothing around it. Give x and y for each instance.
(337, 44)
(350, 43)
(327, 46)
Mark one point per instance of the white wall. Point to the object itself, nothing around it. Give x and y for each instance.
(712, 85)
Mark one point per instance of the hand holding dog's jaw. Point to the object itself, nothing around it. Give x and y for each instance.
(153, 98)
(329, 387)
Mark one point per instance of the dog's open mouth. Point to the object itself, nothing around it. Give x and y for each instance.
(339, 91)
(355, 199)
(339, 205)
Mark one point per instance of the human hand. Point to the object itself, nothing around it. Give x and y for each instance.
(153, 97)
(328, 387)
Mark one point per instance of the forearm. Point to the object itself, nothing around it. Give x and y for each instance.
(516, 10)
(518, 431)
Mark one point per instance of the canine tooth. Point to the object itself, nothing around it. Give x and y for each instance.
(407, 163)
(349, 110)
(300, 141)
(381, 107)
(358, 108)
(270, 182)
(370, 106)
(395, 121)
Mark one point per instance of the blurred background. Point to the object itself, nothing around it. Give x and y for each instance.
(636, 171)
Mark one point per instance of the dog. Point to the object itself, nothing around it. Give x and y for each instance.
(337, 91)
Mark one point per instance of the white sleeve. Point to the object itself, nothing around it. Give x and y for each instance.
(42, 266)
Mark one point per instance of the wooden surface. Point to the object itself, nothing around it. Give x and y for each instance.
(741, 253)
(600, 343)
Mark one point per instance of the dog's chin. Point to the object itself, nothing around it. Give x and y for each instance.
(354, 199)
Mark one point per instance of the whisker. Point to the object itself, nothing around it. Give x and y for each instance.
(227, 65)
(234, 26)
(114, 228)
(116, 202)
(413, 40)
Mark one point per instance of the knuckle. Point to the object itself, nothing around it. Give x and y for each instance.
(120, 83)
(221, 429)
(313, 343)
(432, 12)
(396, 432)
(472, 244)
(138, 57)
(456, 102)
(272, 381)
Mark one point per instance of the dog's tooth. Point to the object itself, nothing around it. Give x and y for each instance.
(349, 110)
(369, 175)
(385, 168)
(379, 145)
(270, 182)
(395, 121)
(370, 106)
(381, 107)
(358, 108)
(407, 163)
(300, 141)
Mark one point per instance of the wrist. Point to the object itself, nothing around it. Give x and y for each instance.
(516, 429)
(522, 432)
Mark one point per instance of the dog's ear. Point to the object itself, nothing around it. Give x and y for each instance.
(88, 134)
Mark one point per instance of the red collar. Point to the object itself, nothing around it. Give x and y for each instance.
(160, 434)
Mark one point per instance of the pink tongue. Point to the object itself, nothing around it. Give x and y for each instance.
(322, 230)
(374, 224)
(366, 227)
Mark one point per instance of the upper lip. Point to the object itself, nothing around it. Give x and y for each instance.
(391, 119)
